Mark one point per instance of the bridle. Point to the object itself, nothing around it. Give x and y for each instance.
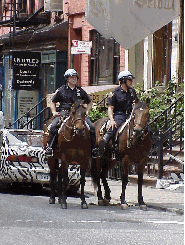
(132, 135)
(73, 127)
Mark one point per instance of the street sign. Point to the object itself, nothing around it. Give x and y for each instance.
(81, 47)
(130, 21)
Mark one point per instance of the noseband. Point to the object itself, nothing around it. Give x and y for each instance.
(132, 135)
(75, 130)
(73, 127)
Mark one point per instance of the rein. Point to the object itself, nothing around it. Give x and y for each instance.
(131, 134)
(64, 123)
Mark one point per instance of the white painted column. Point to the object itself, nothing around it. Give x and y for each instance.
(175, 49)
(126, 59)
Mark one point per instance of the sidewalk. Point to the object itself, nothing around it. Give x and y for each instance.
(162, 199)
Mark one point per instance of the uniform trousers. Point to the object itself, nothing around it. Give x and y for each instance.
(119, 118)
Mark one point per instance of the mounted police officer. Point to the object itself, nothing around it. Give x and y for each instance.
(119, 106)
(65, 95)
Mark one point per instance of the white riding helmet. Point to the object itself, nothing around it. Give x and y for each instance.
(124, 75)
(70, 72)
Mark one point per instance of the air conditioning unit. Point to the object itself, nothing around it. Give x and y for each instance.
(53, 5)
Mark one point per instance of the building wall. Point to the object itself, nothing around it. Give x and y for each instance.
(78, 24)
(7, 11)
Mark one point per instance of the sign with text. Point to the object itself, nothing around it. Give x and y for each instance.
(81, 47)
(130, 21)
(26, 66)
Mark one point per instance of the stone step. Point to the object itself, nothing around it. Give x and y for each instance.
(167, 155)
(175, 150)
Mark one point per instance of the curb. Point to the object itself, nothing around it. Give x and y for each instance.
(172, 210)
(154, 206)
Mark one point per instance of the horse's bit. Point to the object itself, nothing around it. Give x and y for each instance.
(132, 135)
(70, 127)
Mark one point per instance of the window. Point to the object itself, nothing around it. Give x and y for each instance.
(23, 6)
(1, 10)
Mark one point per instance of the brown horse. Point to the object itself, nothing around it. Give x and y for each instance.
(132, 145)
(74, 145)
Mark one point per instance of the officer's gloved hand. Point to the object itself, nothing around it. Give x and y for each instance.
(56, 114)
(112, 124)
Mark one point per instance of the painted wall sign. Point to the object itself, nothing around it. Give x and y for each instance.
(25, 66)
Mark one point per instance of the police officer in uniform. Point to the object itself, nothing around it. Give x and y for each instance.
(119, 106)
(65, 95)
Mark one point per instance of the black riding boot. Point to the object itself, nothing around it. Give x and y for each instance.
(94, 150)
(103, 142)
(50, 146)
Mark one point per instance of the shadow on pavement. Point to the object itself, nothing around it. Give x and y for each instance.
(33, 190)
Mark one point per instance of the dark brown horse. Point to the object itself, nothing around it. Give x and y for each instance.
(74, 145)
(132, 145)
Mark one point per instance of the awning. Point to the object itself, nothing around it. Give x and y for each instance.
(130, 21)
(50, 32)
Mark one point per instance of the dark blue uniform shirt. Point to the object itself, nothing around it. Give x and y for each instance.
(66, 96)
(122, 100)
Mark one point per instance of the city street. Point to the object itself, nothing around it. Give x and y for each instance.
(27, 218)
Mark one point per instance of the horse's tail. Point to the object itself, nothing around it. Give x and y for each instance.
(95, 171)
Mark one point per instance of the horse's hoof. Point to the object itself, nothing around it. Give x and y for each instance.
(143, 207)
(84, 206)
(52, 201)
(106, 202)
(101, 202)
(64, 205)
(124, 206)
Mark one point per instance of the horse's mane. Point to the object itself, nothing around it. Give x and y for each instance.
(77, 104)
(140, 104)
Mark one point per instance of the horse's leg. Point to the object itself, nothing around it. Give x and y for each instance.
(64, 176)
(51, 163)
(107, 197)
(60, 185)
(97, 174)
(141, 203)
(99, 193)
(82, 182)
(124, 178)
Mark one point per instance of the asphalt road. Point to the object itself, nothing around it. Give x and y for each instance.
(27, 218)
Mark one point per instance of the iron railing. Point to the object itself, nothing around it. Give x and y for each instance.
(41, 115)
(167, 127)
(168, 133)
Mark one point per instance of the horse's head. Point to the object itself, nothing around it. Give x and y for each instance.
(141, 117)
(78, 114)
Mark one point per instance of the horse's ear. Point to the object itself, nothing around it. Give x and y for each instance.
(136, 101)
(148, 102)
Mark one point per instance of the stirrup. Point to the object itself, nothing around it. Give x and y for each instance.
(113, 156)
(95, 153)
(49, 152)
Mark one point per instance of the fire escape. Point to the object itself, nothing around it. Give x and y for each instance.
(15, 18)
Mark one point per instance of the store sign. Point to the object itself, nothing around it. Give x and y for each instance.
(26, 66)
(81, 47)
